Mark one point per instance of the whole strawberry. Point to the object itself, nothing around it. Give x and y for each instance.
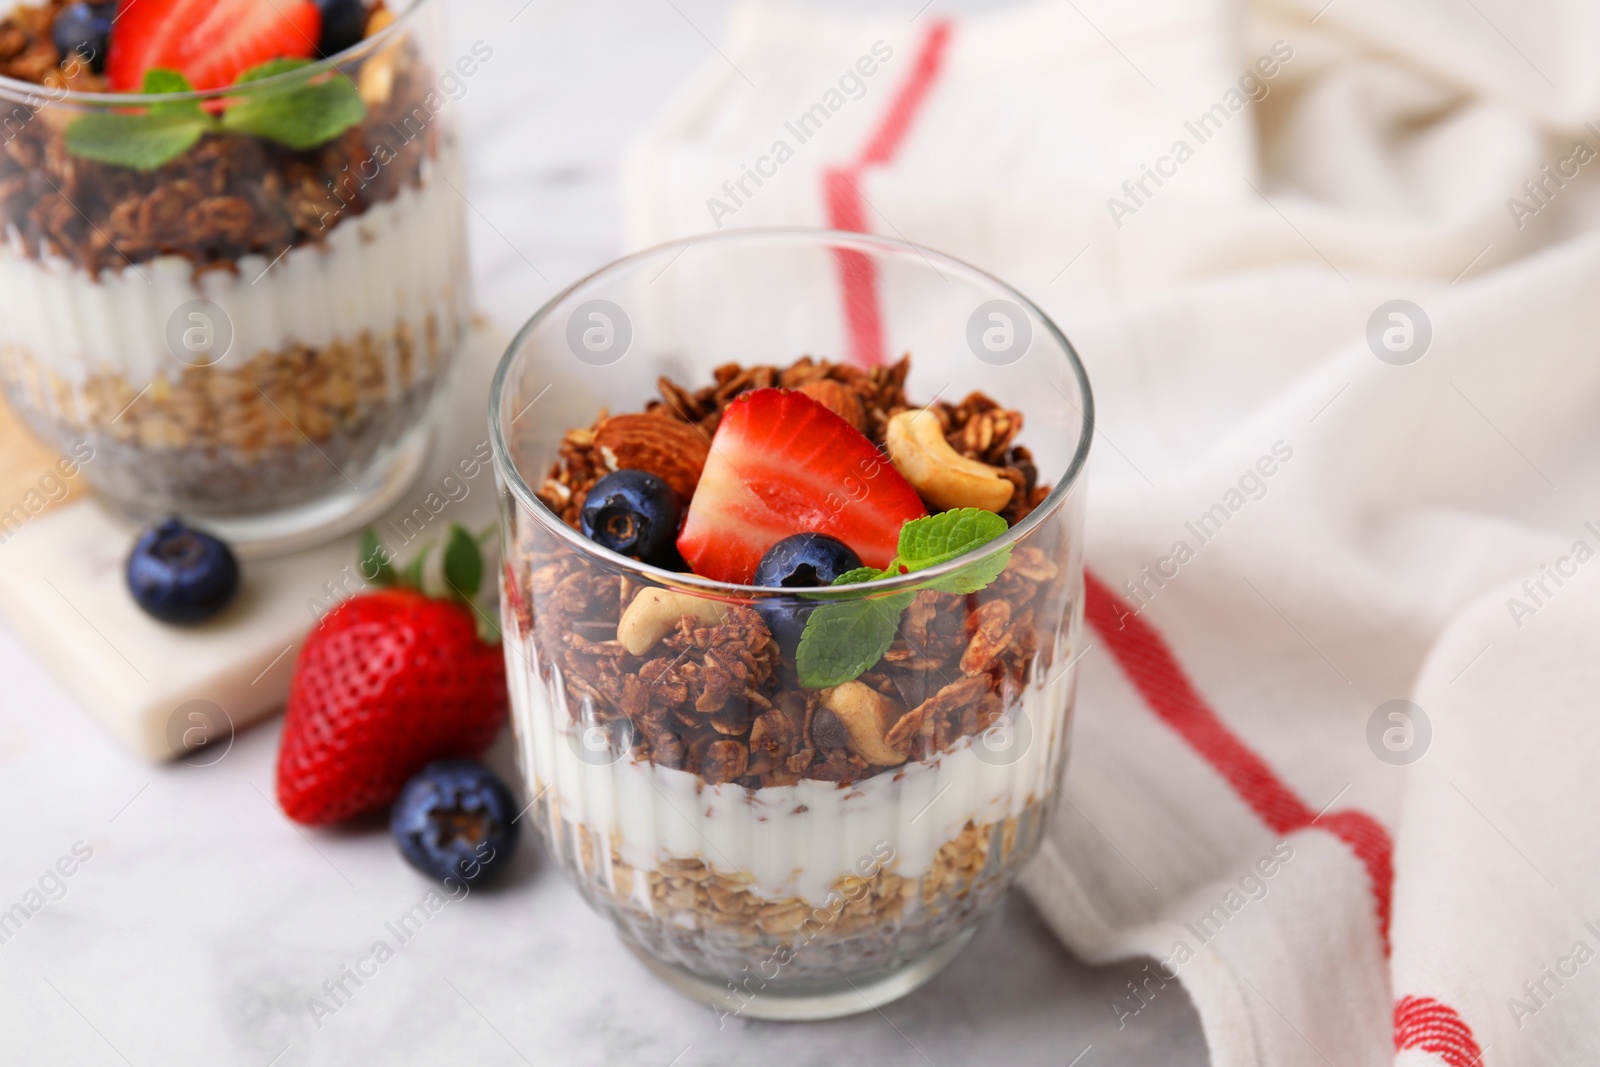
(389, 681)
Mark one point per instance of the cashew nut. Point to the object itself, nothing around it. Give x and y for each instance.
(867, 715)
(941, 475)
(654, 613)
(377, 74)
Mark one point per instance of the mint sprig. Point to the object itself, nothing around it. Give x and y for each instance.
(147, 140)
(845, 638)
(299, 116)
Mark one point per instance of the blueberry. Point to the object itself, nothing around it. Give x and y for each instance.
(344, 24)
(804, 560)
(181, 575)
(454, 821)
(86, 29)
(799, 561)
(634, 513)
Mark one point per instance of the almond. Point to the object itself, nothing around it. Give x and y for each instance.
(839, 399)
(673, 451)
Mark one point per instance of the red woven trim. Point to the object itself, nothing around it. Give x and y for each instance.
(1425, 1024)
(858, 277)
(1149, 664)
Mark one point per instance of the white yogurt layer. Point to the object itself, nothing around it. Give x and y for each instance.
(396, 264)
(799, 840)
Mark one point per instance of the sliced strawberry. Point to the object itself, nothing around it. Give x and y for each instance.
(211, 42)
(144, 33)
(783, 464)
(240, 34)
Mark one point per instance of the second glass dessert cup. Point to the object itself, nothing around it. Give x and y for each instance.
(244, 332)
(699, 795)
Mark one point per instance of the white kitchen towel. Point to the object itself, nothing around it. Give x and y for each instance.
(1330, 266)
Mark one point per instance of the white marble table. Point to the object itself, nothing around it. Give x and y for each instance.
(203, 922)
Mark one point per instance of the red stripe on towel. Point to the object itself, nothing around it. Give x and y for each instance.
(858, 277)
(1144, 657)
(1425, 1024)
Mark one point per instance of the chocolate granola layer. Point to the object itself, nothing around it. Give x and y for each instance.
(720, 700)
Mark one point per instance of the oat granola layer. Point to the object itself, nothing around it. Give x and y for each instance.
(273, 430)
(691, 911)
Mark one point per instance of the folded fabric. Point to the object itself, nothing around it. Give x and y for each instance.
(1329, 268)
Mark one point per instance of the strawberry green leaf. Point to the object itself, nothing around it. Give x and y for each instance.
(463, 564)
(411, 577)
(488, 628)
(376, 565)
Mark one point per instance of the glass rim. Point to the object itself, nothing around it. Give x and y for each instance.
(33, 94)
(691, 582)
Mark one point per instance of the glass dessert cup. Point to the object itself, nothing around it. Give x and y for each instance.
(748, 851)
(246, 334)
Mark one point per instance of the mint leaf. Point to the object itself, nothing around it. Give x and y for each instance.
(463, 565)
(299, 116)
(142, 142)
(844, 638)
(145, 140)
(974, 576)
(941, 538)
(850, 577)
(860, 574)
(375, 565)
(270, 69)
(158, 81)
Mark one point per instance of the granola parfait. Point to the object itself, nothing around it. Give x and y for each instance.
(791, 628)
(232, 249)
